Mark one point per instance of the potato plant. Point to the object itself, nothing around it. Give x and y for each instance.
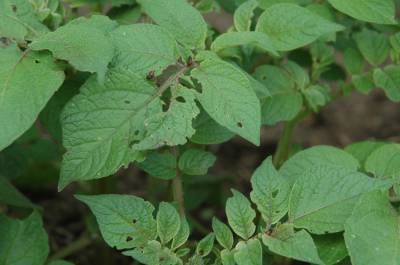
(153, 85)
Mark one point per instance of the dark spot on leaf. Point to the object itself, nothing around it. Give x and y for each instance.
(264, 77)
(129, 238)
(151, 75)
(190, 61)
(5, 41)
(274, 193)
(136, 132)
(132, 143)
(14, 8)
(134, 221)
(127, 102)
(240, 125)
(37, 61)
(181, 99)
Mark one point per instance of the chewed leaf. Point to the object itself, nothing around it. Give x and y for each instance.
(125, 221)
(270, 192)
(102, 123)
(173, 126)
(91, 52)
(228, 98)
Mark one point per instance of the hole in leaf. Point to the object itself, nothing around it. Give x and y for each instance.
(134, 221)
(239, 124)
(36, 61)
(181, 99)
(129, 238)
(165, 106)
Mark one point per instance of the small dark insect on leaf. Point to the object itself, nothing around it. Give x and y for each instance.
(151, 75)
(190, 61)
(269, 232)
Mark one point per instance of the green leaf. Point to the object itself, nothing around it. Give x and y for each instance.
(384, 162)
(290, 26)
(249, 252)
(91, 52)
(125, 221)
(182, 235)
(168, 222)
(270, 192)
(18, 20)
(288, 243)
(317, 156)
(364, 83)
(99, 136)
(209, 131)
(60, 262)
(232, 39)
(182, 20)
(323, 197)
(20, 106)
(159, 165)
(205, 245)
(154, 254)
(267, 3)
(227, 257)
(148, 254)
(372, 231)
(23, 242)
(223, 233)
(196, 162)
(143, 48)
(125, 15)
(375, 11)
(172, 126)
(389, 80)
(373, 46)
(353, 61)
(10, 195)
(316, 97)
(324, 10)
(240, 215)
(362, 150)
(331, 248)
(243, 15)
(285, 101)
(228, 98)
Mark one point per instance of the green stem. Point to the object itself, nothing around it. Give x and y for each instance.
(177, 186)
(73, 247)
(285, 143)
